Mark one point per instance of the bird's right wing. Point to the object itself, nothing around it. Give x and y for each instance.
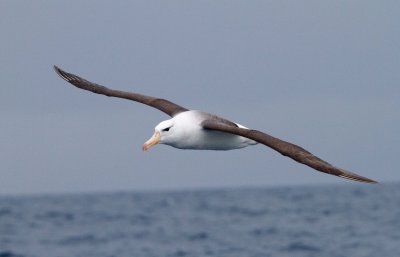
(161, 104)
(290, 150)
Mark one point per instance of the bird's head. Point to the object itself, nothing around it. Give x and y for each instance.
(163, 134)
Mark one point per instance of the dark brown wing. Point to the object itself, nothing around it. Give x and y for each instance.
(287, 149)
(163, 105)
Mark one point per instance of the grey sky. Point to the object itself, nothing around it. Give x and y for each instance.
(321, 74)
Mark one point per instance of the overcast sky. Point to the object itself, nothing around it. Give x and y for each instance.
(321, 74)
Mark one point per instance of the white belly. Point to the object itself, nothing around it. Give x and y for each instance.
(190, 135)
(213, 140)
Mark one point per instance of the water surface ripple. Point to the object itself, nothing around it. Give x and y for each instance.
(332, 221)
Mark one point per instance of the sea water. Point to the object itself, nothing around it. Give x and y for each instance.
(351, 220)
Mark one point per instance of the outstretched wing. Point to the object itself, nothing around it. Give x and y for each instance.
(287, 149)
(161, 104)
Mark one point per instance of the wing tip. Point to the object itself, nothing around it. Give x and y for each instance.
(358, 178)
(58, 70)
(64, 75)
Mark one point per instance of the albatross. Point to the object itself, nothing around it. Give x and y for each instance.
(192, 129)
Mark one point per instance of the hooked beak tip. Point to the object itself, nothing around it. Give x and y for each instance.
(155, 139)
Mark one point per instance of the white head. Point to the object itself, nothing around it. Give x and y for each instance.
(183, 131)
(163, 134)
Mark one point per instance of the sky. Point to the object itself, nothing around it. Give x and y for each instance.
(322, 74)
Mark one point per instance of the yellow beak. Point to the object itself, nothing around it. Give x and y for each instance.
(155, 139)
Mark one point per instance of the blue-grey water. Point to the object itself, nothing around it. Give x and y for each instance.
(335, 221)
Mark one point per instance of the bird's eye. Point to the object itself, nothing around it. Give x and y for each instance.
(166, 129)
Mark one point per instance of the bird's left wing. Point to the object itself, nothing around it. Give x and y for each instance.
(161, 104)
(293, 151)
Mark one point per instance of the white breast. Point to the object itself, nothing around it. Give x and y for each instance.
(188, 134)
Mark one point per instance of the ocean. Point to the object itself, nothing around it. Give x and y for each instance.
(351, 220)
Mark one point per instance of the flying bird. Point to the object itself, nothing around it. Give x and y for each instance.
(192, 129)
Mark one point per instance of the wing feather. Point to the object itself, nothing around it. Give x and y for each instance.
(161, 104)
(290, 150)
